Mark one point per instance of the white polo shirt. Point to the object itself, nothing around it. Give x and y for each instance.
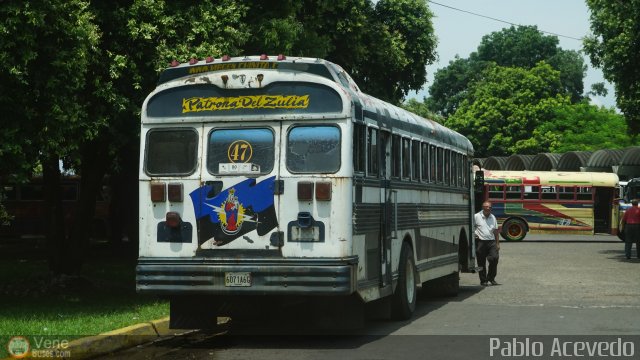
(485, 226)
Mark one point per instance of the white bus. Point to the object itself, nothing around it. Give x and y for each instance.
(274, 177)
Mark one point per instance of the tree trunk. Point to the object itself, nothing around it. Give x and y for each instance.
(57, 246)
(124, 200)
(95, 160)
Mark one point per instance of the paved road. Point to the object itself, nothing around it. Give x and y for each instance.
(558, 287)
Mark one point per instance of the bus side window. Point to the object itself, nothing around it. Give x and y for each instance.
(372, 152)
(9, 193)
(440, 165)
(31, 192)
(359, 156)
(584, 193)
(415, 160)
(447, 167)
(549, 193)
(496, 192)
(531, 192)
(425, 162)
(514, 192)
(432, 163)
(406, 158)
(396, 161)
(566, 192)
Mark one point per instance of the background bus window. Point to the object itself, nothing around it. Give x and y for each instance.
(531, 192)
(549, 193)
(9, 193)
(514, 192)
(566, 192)
(171, 151)
(496, 192)
(372, 152)
(253, 146)
(313, 149)
(31, 192)
(584, 193)
(359, 141)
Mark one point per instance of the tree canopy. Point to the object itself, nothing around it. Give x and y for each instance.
(502, 109)
(74, 74)
(522, 46)
(614, 46)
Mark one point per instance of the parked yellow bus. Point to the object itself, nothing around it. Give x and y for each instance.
(547, 201)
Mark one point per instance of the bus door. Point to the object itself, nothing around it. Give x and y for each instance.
(388, 198)
(602, 209)
(237, 202)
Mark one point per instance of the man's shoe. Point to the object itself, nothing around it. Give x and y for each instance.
(484, 283)
(493, 282)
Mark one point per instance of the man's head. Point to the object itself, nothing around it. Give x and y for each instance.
(486, 207)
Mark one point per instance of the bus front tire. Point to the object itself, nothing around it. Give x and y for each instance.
(404, 298)
(514, 230)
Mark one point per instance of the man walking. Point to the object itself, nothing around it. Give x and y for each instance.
(487, 244)
(631, 228)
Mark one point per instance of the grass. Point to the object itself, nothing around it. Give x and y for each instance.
(34, 303)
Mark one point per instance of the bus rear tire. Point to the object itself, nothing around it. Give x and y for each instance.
(514, 230)
(403, 303)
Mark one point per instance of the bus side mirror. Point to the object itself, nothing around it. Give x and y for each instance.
(478, 183)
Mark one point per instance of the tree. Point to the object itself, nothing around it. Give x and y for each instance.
(83, 69)
(451, 82)
(614, 46)
(45, 47)
(503, 108)
(421, 109)
(385, 47)
(583, 127)
(522, 46)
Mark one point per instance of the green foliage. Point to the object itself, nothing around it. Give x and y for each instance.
(404, 45)
(450, 84)
(421, 109)
(582, 127)
(614, 47)
(523, 47)
(45, 47)
(503, 108)
(385, 48)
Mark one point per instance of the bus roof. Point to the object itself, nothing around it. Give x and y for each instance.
(364, 106)
(566, 178)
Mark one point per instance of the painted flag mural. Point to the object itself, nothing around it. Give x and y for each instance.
(235, 211)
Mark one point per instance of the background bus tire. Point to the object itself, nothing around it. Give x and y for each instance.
(514, 230)
(404, 298)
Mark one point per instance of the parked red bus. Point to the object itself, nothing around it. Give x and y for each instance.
(25, 204)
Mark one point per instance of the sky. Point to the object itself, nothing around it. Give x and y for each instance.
(460, 33)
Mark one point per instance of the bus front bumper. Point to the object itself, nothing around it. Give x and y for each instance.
(268, 276)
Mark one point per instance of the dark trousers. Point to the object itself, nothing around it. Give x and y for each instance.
(631, 235)
(486, 251)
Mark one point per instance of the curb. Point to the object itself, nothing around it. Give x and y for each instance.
(115, 340)
(119, 339)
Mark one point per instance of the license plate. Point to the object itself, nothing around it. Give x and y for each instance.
(237, 279)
